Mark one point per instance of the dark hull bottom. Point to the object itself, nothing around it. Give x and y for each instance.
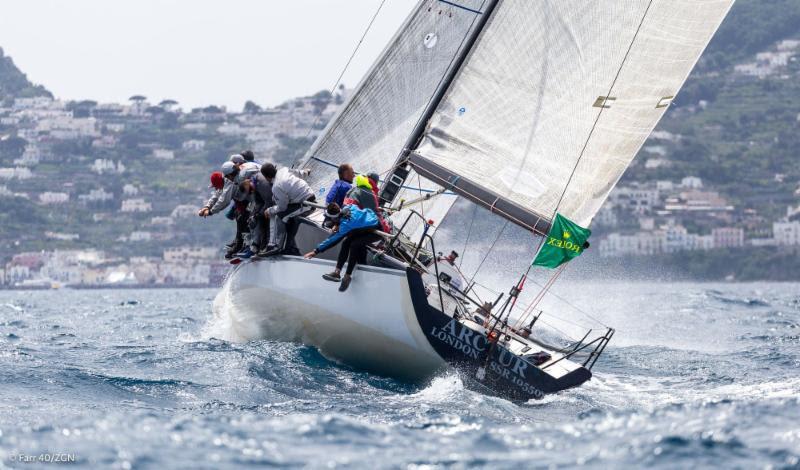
(505, 374)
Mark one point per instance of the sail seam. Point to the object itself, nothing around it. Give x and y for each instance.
(600, 113)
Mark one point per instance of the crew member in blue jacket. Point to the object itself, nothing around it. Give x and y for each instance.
(340, 188)
(357, 228)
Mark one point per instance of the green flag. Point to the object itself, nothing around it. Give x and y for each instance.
(564, 242)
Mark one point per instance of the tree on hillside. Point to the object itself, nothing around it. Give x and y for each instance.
(15, 84)
(12, 147)
(251, 108)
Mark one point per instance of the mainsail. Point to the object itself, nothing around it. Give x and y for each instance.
(557, 97)
(372, 127)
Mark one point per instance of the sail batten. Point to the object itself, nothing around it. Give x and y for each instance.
(557, 97)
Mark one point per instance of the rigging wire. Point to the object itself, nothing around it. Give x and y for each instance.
(489, 251)
(347, 65)
(469, 234)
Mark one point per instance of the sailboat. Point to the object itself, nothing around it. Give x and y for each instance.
(530, 109)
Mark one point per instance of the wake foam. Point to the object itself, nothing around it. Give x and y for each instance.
(221, 324)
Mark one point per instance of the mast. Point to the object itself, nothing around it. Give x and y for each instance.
(394, 182)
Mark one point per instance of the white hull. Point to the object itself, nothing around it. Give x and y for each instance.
(371, 326)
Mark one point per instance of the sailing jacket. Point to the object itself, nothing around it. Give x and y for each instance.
(358, 219)
(262, 193)
(230, 191)
(337, 192)
(289, 188)
(365, 197)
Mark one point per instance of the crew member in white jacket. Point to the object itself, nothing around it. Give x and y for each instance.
(289, 192)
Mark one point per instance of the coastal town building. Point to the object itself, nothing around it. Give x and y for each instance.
(136, 205)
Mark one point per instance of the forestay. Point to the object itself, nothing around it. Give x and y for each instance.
(557, 97)
(371, 129)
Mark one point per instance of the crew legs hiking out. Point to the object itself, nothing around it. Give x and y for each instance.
(357, 227)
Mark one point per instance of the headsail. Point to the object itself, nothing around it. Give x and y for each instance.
(556, 98)
(371, 129)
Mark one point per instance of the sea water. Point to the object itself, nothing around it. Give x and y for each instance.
(697, 375)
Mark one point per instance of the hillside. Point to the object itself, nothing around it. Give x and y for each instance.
(15, 84)
(739, 128)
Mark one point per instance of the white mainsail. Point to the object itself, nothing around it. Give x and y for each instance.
(557, 97)
(373, 126)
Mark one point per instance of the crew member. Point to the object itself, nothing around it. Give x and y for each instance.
(259, 193)
(364, 195)
(289, 192)
(357, 228)
(340, 188)
(234, 172)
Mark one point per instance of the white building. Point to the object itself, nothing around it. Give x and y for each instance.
(728, 237)
(115, 127)
(162, 221)
(20, 173)
(182, 254)
(692, 182)
(67, 127)
(136, 205)
(130, 190)
(101, 166)
(637, 200)
(606, 216)
(67, 237)
(140, 236)
(184, 211)
(105, 142)
(97, 195)
(38, 102)
(164, 154)
(640, 243)
(232, 129)
(52, 198)
(30, 157)
(786, 233)
(194, 145)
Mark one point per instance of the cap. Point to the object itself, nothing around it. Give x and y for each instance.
(362, 182)
(228, 168)
(217, 180)
(237, 159)
(374, 177)
(248, 155)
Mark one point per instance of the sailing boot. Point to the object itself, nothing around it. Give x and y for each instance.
(270, 250)
(245, 254)
(231, 253)
(345, 282)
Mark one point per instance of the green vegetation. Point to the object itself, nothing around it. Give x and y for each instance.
(14, 84)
